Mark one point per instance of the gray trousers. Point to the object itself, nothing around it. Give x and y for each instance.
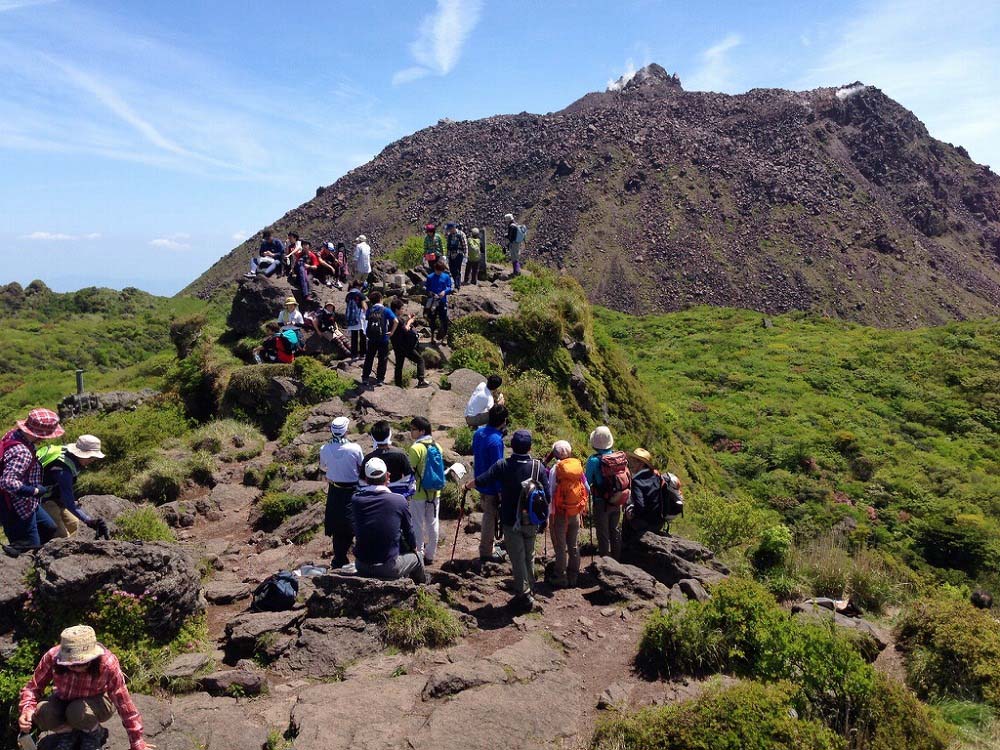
(520, 543)
(491, 506)
(405, 566)
(85, 714)
(609, 533)
(565, 531)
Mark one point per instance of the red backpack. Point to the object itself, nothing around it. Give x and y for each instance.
(616, 487)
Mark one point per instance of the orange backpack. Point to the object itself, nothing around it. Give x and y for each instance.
(571, 493)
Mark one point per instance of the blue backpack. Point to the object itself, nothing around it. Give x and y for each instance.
(277, 593)
(533, 504)
(432, 478)
(353, 311)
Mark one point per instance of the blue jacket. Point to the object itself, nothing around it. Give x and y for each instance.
(593, 470)
(510, 472)
(437, 283)
(487, 449)
(381, 519)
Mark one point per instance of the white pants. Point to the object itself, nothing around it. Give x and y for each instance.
(426, 526)
(266, 265)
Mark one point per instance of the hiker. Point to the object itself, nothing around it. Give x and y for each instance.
(472, 267)
(290, 317)
(326, 272)
(356, 307)
(519, 530)
(610, 484)
(487, 449)
(340, 263)
(438, 286)
(383, 525)
(428, 469)
(570, 495)
(362, 259)
(269, 255)
(278, 347)
(458, 248)
(516, 234)
(656, 499)
(25, 522)
(406, 346)
(397, 460)
(324, 323)
(87, 686)
(341, 460)
(382, 323)
(292, 247)
(61, 464)
(483, 397)
(433, 247)
(303, 262)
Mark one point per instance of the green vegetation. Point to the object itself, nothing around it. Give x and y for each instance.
(228, 439)
(275, 507)
(743, 631)
(463, 440)
(408, 255)
(476, 353)
(747, 715)
(428, 623)
(142, 525)
(320, 382)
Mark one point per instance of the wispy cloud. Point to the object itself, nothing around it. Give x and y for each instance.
(439, 42)
(176, 241)
(6, 5)
(942, 66)
(239, 236)
(60, 236)
(617, 84)
(715, 72)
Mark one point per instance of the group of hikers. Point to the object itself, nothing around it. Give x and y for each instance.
(38, 504)
(385, 503)
(331, 265)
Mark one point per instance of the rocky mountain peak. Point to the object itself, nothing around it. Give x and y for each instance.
(647, 77)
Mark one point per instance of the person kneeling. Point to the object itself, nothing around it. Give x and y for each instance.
(88, 686)
(382, 524)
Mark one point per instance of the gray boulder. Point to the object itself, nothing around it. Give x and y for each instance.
(234, 682)
(352, 596)
(14, 589)
(671, 560)
(452, 679)
(620, 582)
(298, 526)
(186, 666)
(259, 632)
(71, 573)
(870, 638)
(221, 592)
(327, 646)
(256, 302)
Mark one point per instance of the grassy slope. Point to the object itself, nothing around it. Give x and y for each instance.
(812, 412)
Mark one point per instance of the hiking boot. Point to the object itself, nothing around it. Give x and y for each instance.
(93, 740)
(62, 740)
(423, 384)
(11, 551)
(571, 580)
(496, 557)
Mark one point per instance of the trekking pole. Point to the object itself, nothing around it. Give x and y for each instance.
(590, 523)
(461, 513)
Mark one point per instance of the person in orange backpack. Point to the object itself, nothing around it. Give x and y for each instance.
(570, 495)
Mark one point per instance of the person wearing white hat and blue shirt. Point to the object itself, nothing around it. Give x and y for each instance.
(385, 546)
(341, 460)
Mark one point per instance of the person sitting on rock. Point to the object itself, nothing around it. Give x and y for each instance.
(340, 460)
(25, 522)
(406, 346)
(61, 464)
(292, 247)
(426, 501)
(433, 247)
(519, 537)
(472, 267)
(438, 286)
(290, 317)
(328, 272)
(383, 526)
(401, 479)
(278, 347)
(88, 686)
(483, 397)
(487, 449)
(324, 323)
(269, 255)
(570, 495)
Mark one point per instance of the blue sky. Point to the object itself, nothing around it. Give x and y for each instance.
(140, 141)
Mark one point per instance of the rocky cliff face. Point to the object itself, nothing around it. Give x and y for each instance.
(835, 200)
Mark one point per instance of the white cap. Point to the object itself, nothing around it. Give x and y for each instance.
(339, 426)
(375, 468)
(361, 238)
(562, 449)
(508, 218)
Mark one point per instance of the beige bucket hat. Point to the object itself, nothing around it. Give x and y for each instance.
(78, 645)
(86, 446)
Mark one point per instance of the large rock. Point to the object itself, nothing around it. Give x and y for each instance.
(670, 560)
(234, 682)
(256, 302)
(14, 588)
(870, 639)
(300, 525)
(71, 573)
(255, 632)
(622, 582)
(327, 646)
(108, 507)
(452, 679)
(352, 596)
(186, 666)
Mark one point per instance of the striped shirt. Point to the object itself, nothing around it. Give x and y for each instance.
(21, 474)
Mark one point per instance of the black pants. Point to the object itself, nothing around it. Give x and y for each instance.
(338, 521)
(455, 268)
(403, 354)
(359, 343)
(378, 349)
(438, 318)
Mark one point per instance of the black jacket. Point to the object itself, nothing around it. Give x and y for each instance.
(646, 496)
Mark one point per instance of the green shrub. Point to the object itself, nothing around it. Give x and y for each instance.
(495, 253)
(228, 439)
(428, 623)
(200, 468)
(160, 482)
(772, 549)
(408, 255)
(724, 523)
(743, 716)
(476, 353)
(961, 541)
(952, 650)
(143, 524)
(275, 507)
(463, 440)
(319, 382)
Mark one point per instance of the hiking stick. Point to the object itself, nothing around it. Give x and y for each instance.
(461, 513)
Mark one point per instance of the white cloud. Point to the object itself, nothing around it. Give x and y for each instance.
(60, 236)
(617, 84)
(6, 5)
(176, 241)
(715, 72)
(439, 42)
(240, 235)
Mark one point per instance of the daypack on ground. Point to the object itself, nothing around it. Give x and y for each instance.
(571, 492)
(276, 593)
(432, 478)
(616, 487)
(533, 504)
(377, 323)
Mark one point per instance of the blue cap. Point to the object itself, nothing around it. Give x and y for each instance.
(521, 441)
(450, 225)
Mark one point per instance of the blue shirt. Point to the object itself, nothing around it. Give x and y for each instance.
(437, 283)
(62, 477)
(593, 469)
(381, 519)
(487, 449)
(390, 318)
(510, 472)
(272, 246)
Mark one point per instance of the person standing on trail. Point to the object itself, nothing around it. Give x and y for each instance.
(61, 464)
(484, 396)
(458, 248)
(433, 247)
(362, 259)
(570, 495)
(438, 286)
(341, 460)
(605, 468)
(406, 346)
(516, 234)
(472, 267)
(518, 533)
(382, 324)
(487, 449)
(355, 307)
(25, 522)
(428, 469)
(88, 685)
(396, 459)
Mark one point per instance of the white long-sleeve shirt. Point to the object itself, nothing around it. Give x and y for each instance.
(362, 258)
(341, 461)
(481, 401)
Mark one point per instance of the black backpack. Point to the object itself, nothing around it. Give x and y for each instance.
(276, 593)
(377, 324)
(671, 498)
